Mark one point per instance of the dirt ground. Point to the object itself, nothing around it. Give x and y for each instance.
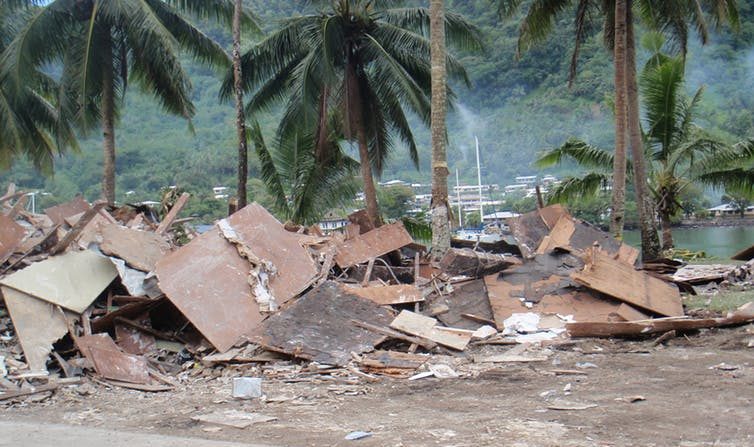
(697, 391)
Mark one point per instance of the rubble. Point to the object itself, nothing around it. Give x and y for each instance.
(111, 295)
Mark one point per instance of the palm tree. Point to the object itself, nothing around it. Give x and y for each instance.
(672, 16)
(361, 58)
(440, 210)
(30, 124)
(303, 189)
(681, 153)
(105, 44)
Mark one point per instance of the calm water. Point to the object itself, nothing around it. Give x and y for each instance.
(721, 242)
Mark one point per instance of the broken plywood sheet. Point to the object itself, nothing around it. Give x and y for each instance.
(207, 280)
(529, 229)
(392, 363)
(391, 294)
(620, 280)
(467, 262)
(469, 299)
(72, 280)
(574, 235)
(372, 244)
(134, 341)
(265, 240)
(11, 236)
(703, 273)
(318, 326)
(629, 313)
(59, 213)
(140, 249)
(38, 324)
(112, 363)
(426, 327)
(92, 231)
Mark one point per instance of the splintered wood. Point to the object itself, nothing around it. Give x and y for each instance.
(620, 280)
(467, 262)
(372, 244)
(426, 327)
(573, 235)
(318, 326)
(389, 295)
(529, 229)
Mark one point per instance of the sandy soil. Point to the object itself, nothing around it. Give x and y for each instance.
(696, 391)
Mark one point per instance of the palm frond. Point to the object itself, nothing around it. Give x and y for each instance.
(583, 154)
(575, 188)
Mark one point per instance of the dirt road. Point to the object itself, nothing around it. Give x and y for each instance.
(696, 391)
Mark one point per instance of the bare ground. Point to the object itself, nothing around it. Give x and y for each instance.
(698, 391)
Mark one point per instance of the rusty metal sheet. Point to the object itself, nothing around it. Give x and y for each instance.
(392, 294)
(37, 324)
(134, 341)
(11, 236)
(620, 280)
(140, 249)
(372, 244)
(266, 239)
(59, 213)
(318, 326)
(207, 280)
(72, 280)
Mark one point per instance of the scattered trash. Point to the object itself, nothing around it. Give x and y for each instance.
(356, 435)
(247, 387)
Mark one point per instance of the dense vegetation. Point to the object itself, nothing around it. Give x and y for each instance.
(518, 108)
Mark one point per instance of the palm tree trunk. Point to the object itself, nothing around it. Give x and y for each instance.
(619, 163)
(667, 231)
(108, 120)
(650, 241)
(356, 119)
(439, 208)
(243, 155)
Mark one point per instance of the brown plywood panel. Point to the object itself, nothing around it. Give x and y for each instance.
(207, 280)
(575, 235)
(529, 229)
(620, 280)
(38, 324)
(72, 280)
(469, 298)
(117, 365)
(551, 214)
(11, 235)
(426, 327)
(59, 213)
(267, 240)
(630, 313)
(318, 325)
(140, 249)
(392, 294)
(372, 244)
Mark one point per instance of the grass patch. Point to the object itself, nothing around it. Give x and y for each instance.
(720, 302)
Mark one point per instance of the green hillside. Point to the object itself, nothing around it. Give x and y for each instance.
(516, 107)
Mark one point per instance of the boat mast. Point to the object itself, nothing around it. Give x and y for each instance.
(458, 198)
(479, 180)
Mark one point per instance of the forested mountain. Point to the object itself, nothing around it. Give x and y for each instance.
(517, 107)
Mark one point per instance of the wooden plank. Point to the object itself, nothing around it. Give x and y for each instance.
(11, 236)
(630, 313)
(744, 255)
(74, 232)
(577, 236)
(372, 244)
(140, 249)
(389, 295)
(317, 326)
(621, 281)
(426, 327)
(168, 221)
(207, 280)
(467, 298)
(424, 343)
(59, 213)
(467, 262)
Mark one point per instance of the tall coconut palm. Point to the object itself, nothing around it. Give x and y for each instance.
(104, 44)
(362, 58)
(680, 153)
(672, 16)
(439, 208)
(30, 123)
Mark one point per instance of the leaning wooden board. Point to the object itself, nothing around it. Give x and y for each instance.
(620, 280)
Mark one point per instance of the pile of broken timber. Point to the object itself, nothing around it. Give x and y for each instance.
(111, 293)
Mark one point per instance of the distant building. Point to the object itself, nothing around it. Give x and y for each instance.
(392, 183)
(726, 209)
(332, 221)
(220, 192)
(526, 179)
(500, 215)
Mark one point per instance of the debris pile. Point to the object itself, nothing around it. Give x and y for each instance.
(113, 294)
